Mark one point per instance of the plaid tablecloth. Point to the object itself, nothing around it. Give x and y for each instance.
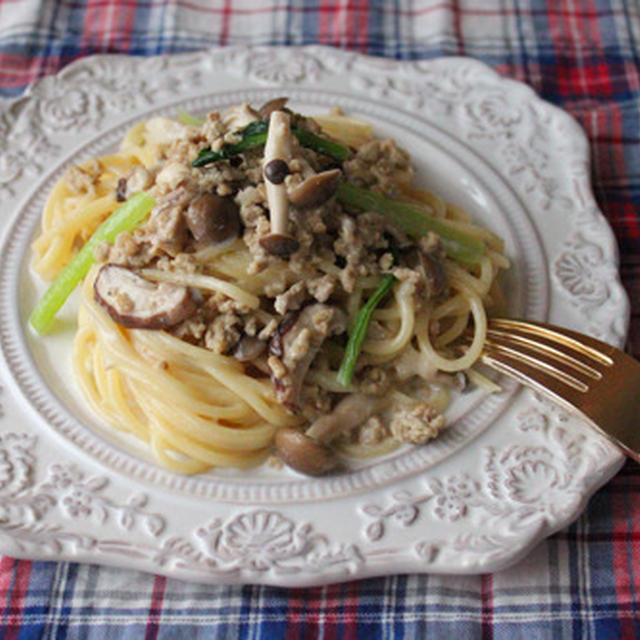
(583, 582)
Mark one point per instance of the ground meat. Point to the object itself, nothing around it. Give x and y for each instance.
(352, 245)
(269, 330)
(386, 261)
(128, 251)
(138, 179)
(192, 330)
(101, 252)
(321, 288)
(370, 230)
(166, 230)
(314, 402)
(220, 178)
(291, 299)
(251, 326)
(375, 381)
(310, 219)
(223, 333)
(348, 278)
(409, 279)
(416, 424)
(172, 175)
(184, 152)
(252, 203)
(182, 263)
(213, 130)
(253, 213)
(372, 432)
(83, 180)
(278, 370)
(220, 303)
(380, 164)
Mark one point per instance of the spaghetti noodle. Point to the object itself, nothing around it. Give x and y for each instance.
(260, 345)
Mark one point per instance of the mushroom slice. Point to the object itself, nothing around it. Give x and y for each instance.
(296, 343)
(136, 303)
(315, 190)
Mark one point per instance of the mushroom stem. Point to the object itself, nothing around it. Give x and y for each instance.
(349, 413)
(278, 147)
(309, 452)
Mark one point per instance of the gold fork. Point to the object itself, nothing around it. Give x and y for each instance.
(583, 374)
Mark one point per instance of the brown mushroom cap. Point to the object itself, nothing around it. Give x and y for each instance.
(248, 348)
(275, 171)
(429, 266)
(303, 454)
(279, 244)
(212, 219)
(276, 104)
(315, 190)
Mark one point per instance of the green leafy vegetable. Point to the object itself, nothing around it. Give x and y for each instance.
(254, 135)
(413, 220)
(327, 147)
(359, 330)
(126, 217)
(187, 118)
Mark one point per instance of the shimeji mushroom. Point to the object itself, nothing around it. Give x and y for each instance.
(309, 452)
(277, 151)
(315, 190)
(212, 220)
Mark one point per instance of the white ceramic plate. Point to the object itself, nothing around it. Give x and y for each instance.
(510, 470)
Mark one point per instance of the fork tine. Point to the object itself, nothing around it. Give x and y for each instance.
(595, 350)
(581, 373)
(574, 363)
(533, 372)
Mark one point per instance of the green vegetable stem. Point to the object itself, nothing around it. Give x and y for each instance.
(255, 135)
(413, 220)
(187, 118)
(125, 218)
(359, 330)
(309, 140)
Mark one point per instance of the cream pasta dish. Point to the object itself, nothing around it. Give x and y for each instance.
(263, 285)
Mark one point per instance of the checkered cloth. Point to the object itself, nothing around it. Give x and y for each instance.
(583, 582)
